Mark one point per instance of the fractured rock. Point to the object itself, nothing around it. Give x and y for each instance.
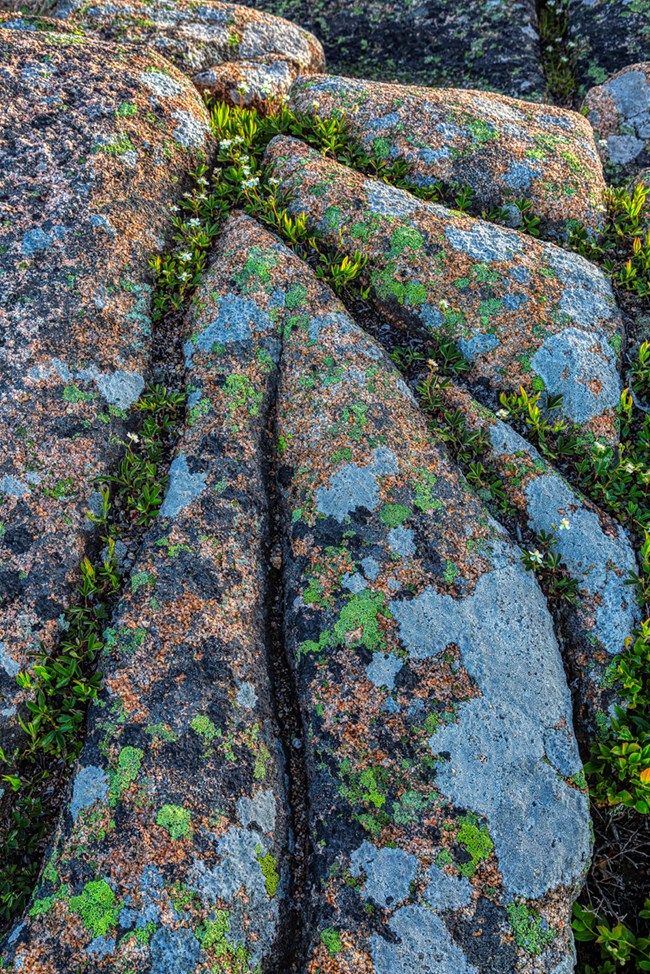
(595, 551)
(505, 150)
(172, 854)
(94, 146)
(619, 111)
(427, 669)
(522, 312)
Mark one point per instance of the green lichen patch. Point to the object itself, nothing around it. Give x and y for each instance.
(176, 820)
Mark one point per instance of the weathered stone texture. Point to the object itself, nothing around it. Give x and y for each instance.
(522, 312)
(619, 111)
(608, 35)
(202, 37)
(595, 551)
(172, 856)
(504, 149)
(95, 144)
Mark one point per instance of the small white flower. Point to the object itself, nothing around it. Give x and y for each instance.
(194, 222)
(599, 447)
(444, 304)
(315, 104)
(175, 208)
(246, 170)
(629, 467)
(536, 557)
(133, 437)
(225, 143)
(564, 524)
(502, 413)
(274, 181)
(185, 256)
(249, 183)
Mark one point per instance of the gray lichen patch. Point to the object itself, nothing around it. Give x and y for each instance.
(601, 562)
(495, 757)
(237, 318)
(388, 874)
(421, 942)
(90, 785)
(484, 242)
(567, 364)
(184, 487)
(353, 487)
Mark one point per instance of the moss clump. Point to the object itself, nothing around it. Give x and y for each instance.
(530, 931)
(97, 908)
(362, 613)
(331, 938)
(394, 514)
(269, 867)
(128, 766)
(176, 819)
(204, 727)
(477, 842)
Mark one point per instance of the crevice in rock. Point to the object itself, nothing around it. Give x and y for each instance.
(557, 52)
(292, 944)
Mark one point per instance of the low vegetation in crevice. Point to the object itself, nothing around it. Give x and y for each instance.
(62, 681)
(557, 51)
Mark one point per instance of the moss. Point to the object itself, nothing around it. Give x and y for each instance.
(362, 613)
(331, 938)
(425, 495)
(530, 931)
(269, 867)
(176, 819)
(128, 766)
(204, 727)
(97, 908)
(393, 515)
(477, 842)
(233, 958)
(405, 237)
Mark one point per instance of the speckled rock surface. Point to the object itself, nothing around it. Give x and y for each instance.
(95, 145)
(608, 35)
(248, 83)
(504, 149)
(619, 112)
(477, 45)
(199, 37)
(427, 672)
(594, 548)
(522, 312)
(171, 857)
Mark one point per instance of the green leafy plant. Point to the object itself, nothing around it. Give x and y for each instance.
(618, 948)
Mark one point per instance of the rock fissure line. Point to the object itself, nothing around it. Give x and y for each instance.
(291, 952)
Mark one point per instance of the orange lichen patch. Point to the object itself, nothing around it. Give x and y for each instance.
(504, 149)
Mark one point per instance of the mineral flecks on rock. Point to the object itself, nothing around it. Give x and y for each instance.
(173, 853)
(505, 150)
(238, 53)
(607, 36)
(492, 46)
(520, 311)
(619, 111)
(95, 146)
